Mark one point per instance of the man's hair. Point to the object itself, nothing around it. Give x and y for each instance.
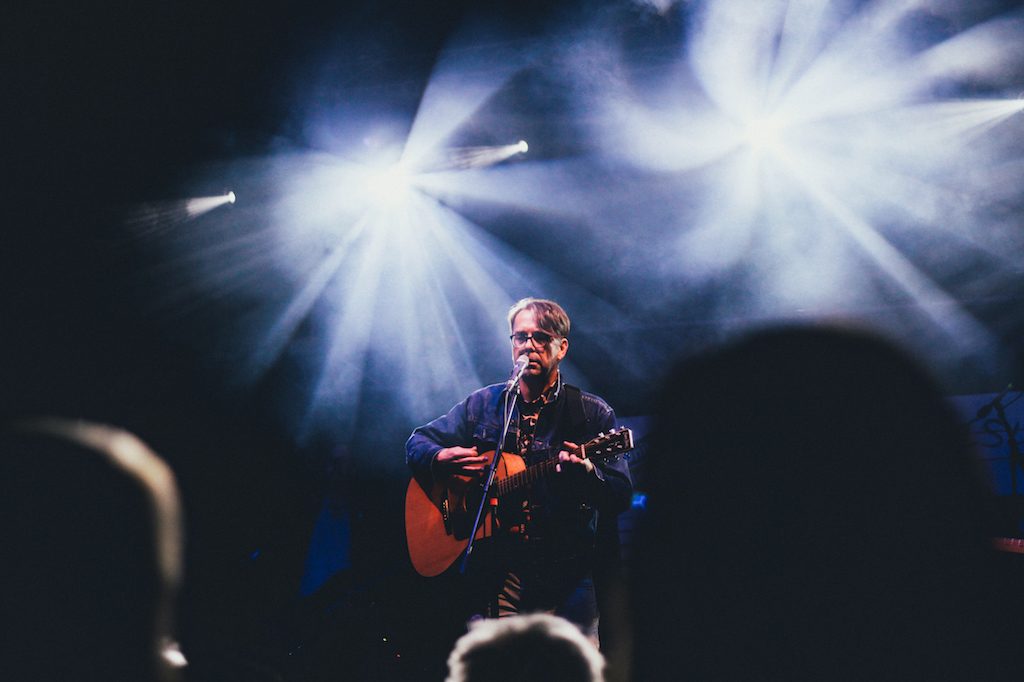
(550, 316)
(538, 647)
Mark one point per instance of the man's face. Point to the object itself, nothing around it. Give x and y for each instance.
(544, 357)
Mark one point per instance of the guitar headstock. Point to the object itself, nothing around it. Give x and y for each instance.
(606, 445)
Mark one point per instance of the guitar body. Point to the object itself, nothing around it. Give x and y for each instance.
(439, 515)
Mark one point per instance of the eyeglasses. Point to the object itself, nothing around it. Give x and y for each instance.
(542, 338)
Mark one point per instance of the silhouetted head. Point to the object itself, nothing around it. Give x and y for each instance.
(92, 553)
(815, 512)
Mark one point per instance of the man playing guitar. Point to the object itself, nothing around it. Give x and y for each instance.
(542, 547)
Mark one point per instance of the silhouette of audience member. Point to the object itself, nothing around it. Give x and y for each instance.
(535, 647)
(92, 546)
(815, 512)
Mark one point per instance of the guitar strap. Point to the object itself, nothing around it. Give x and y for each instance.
(573, 418)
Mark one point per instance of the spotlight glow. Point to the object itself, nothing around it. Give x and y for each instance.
(795, 160)
(170, 652)
(852, 153)
(958, 120)
(201, 205)
(396, 264)
(764, 132)
(156, 217)
(464, 77)
(391, 184)
(463, 158)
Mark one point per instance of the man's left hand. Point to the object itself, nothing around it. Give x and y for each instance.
(569, 459)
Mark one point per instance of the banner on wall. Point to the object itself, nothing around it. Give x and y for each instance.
(995, 426)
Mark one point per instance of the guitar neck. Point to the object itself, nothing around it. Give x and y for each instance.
(616, 442)
(529, 475)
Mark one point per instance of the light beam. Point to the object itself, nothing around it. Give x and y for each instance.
(200, 205)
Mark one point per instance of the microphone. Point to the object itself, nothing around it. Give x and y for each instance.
(517, 372)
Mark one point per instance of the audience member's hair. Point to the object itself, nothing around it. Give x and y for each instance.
(92, 543)
(535, 647)
(815, 512)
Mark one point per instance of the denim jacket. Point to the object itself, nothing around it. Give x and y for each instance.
(565, 510)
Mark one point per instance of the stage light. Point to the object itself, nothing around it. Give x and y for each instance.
(460, 87)
(390, 184)
(200, 205)
(959, 121)
(170, 651)
(464, 158)
(763, 132)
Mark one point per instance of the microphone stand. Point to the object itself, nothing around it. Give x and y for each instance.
(508, 408)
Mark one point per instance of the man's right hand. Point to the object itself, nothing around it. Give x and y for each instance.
(459, 461)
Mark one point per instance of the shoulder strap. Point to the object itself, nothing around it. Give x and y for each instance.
(573, 416)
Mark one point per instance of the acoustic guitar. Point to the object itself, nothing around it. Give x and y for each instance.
(439, 515)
